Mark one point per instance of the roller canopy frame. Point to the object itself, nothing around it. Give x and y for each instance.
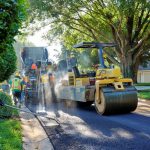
(94, 45)
(98, 45)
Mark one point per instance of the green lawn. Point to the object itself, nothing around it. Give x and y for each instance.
(144, 95)
(10, 134)
(142, 84)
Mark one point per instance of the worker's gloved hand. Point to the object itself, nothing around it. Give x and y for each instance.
(1, 103)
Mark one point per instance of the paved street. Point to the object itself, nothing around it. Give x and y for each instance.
(86, 130)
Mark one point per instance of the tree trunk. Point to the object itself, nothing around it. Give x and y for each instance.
(129, 69)
(135, 68)
(126, 64)
(135, 73)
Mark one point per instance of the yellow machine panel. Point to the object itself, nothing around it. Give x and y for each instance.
(82, 81)
(108, 73)
(71, 78)
(64, 82)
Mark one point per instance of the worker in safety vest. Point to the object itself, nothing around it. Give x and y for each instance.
(16, 86)
(33, 75)
(33, 66)
(23, 84)
(51, 80)
(33, 69)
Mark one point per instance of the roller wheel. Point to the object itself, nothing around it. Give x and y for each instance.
(100, 105)
(114, 102)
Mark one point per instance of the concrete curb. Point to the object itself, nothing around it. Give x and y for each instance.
(142, 88)
(143, 100)
(34, 136)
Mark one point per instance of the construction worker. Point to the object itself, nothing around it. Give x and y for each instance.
(23, 83)
(51, 80)
(16, 86)
(33, 69)
(33, 75)
(33, 66)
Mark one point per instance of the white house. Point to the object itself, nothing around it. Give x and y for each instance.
(144, 74)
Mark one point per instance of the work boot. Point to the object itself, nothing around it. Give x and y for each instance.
(15, 101)
(19, 105)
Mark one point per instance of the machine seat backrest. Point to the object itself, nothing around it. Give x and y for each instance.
(76, 72)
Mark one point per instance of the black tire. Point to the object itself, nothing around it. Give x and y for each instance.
(84, 104)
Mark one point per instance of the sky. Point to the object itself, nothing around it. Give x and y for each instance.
(37, 39)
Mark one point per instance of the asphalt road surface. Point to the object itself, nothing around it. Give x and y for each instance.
(84, 129)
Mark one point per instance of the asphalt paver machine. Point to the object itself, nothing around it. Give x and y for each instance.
(110, 92)
(37, 78)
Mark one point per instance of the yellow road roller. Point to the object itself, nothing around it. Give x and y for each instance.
(106, 88)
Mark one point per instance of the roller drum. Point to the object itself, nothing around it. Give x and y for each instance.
(113, 101)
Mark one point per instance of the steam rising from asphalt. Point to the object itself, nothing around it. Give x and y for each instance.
(87, 58)
(63, 81)
(44, 96)
(47, 95)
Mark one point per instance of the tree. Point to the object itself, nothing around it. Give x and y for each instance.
(7, 63)
(125, 22)
(12, 14)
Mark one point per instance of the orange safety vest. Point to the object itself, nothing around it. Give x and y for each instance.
(52, 78)
(33, 67)
(16, 84)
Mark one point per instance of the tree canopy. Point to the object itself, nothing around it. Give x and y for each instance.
(12, 14)
(125, 22)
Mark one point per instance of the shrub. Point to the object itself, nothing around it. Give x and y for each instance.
(6, 112)
(12, 14)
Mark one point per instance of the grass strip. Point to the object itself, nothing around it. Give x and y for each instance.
(10, 134)
(144, 95)
(142, 84)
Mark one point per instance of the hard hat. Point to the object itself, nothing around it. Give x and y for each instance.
(49, 62)
(104, 55)
(17, 74)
